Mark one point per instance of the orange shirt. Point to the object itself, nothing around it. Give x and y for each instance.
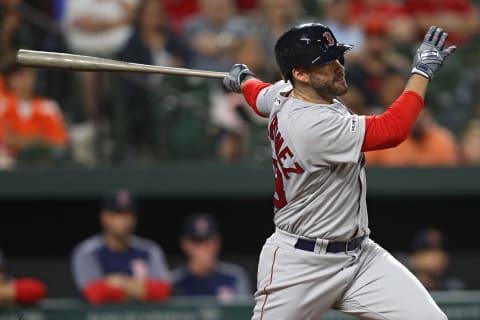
(2, 85)
(39, 118)
(436, 148)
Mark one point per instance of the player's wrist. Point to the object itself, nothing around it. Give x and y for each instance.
(423, 73)
(246, 79)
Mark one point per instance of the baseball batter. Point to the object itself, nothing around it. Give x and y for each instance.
(320, 256)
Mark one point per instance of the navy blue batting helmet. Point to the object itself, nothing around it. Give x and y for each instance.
(306, 45)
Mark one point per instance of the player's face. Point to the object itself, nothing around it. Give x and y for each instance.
(328, 80)
(119, 225)
(203, 253)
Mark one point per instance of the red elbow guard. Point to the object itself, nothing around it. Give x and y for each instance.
(29, 290)
(157, 290)
(99, 291)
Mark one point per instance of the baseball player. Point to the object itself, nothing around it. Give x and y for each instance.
(117, 265)
(320, 256)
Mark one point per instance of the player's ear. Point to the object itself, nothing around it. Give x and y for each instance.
(103, 217)
(300, 75)
(185, 244)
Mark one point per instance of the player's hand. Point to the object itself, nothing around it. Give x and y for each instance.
(235, 77)
(117, 280)
(431, 53)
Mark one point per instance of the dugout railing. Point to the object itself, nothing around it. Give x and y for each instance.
(461, 305)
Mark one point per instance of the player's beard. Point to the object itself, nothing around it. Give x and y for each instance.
(329, 88)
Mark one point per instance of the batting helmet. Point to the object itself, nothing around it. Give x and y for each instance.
(307, 45)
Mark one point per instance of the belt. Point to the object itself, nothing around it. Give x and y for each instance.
(332, 247)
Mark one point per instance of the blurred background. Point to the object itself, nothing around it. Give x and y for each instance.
(184, 145)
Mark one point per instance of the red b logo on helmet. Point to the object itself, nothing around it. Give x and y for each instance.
(327, 35)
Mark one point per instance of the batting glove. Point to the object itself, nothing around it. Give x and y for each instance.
(237, 74)
(431, 53)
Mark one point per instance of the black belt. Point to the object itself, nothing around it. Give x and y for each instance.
(333, 247)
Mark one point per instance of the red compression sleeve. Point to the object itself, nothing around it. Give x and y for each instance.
(99, 291)
(29, 290)
(392, 127)
(157, 290)
(251, 89)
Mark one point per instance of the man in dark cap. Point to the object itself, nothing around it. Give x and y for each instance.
(204, 274)
(429, 261)
(117, 265)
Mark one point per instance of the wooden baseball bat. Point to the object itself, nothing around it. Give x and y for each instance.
(56, 60)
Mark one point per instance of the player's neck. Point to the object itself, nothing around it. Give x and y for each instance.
(200, 269)
(298, 93)
(115, 243)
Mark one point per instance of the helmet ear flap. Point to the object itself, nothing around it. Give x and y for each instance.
(342, 60)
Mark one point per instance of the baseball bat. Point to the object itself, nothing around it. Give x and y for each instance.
(56, 60)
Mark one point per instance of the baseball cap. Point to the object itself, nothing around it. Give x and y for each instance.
(429, 238)
(120, 200)
(200, 227)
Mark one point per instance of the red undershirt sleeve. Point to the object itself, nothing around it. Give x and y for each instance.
(392, 127)
(100, 291)
(251, 88)
(157, 290)
(29, 290)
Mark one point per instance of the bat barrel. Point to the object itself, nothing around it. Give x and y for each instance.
(55, 60)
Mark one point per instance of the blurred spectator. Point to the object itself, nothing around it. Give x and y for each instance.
(58, 10)
(212, 34)
(98, 28)
(204, 274)
(231, 113)
(374, 63)
(248, 7)
(336, 15)
(2, 85)
(470, 143)
(273, 19)
(178, 11)
(14, 33)
(116, 265)
(14, 291)
(135, 125)
(391, 86)
(459, 17)
(400, 25)
(429, 261)
(429, 144)
(33, 128)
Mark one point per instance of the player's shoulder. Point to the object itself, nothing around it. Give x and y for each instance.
(144, 243)
(276, 93)
(281, 87)
(314, 111)
(89, 245)
(231, 269)
(179, 273)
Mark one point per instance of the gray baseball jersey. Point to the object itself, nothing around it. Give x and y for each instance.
(320, 197)
(318, 163)
(93, 260)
